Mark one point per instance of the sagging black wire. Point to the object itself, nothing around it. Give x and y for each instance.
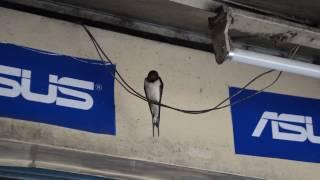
(253, 94)
(101, 58)
(133, 92)
(291, 55)
(98, 49)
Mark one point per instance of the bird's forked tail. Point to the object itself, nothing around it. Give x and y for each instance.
(158, 127)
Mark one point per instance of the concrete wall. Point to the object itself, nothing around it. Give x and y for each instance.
(192, 80)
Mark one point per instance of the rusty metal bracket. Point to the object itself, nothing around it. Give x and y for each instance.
(219, 27)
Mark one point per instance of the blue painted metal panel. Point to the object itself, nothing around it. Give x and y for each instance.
(56, 89)
(277, 126)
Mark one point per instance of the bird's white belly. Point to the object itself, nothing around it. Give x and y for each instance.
(154, 91)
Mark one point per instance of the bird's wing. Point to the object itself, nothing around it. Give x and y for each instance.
(161, 90)
(145, 92)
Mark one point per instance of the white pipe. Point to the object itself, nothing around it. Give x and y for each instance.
(274, 62)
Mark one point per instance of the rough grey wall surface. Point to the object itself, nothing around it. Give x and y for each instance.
(192, 80)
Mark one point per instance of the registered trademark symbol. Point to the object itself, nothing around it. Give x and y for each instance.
(98, 87)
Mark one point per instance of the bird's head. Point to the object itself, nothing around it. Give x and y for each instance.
(153, 76)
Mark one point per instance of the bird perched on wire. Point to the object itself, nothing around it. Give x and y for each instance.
(153, 87)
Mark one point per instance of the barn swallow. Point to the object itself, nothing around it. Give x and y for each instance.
(153, 87)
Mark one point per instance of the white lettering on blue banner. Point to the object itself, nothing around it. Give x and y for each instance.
(276, 126)
(56, 89)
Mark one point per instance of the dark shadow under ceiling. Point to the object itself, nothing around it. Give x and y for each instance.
(171, 21)
(303, 11)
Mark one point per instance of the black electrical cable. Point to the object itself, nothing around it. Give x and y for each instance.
(97, 46)
(143, 98)
(254, 94)
(98, 49)
(101, 58)
(133, 92)
(291, 55)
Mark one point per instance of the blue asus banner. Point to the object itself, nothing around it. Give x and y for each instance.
(55, 89)
(277, 126)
